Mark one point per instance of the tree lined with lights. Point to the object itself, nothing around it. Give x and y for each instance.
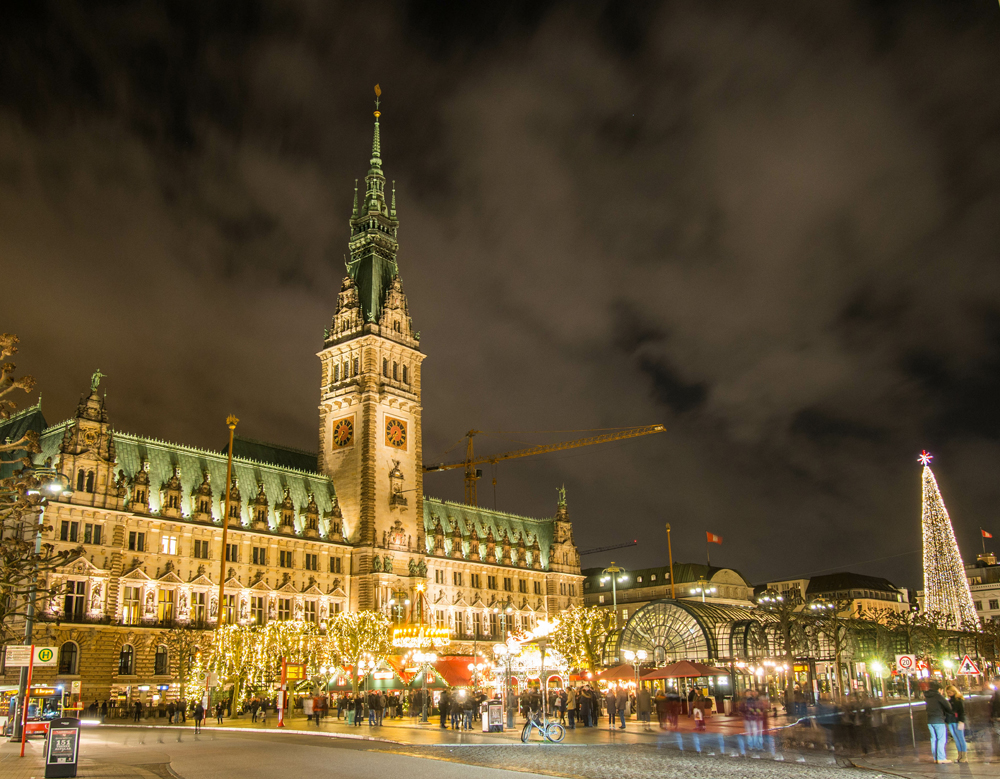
(22, 497)
(186, 646)
(790, 626)
(946, 589)
(357, 634)
(580, 635)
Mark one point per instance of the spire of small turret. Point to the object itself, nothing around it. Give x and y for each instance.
(376, 160)
(354, 210)
(392, 208)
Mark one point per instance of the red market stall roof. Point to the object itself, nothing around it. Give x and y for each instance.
(455, 670)
(684, 669)
(620, 673)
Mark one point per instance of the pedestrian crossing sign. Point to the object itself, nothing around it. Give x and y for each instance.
(968, 667)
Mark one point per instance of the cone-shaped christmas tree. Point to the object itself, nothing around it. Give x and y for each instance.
(946, 590)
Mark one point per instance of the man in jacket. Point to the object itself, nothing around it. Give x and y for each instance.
(644, 706)
(571, 707)
(939, 713)
(610, 701)
(621, 705)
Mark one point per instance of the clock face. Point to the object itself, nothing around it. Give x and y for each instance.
(395, 433)
(343, 432)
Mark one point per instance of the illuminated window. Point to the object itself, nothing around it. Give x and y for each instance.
(168, 544)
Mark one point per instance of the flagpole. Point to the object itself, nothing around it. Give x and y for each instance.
(982, 537)
(708, 554)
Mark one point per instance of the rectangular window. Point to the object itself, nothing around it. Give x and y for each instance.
(477, 623)
(92, 534)
(165, 606)
(600, 599)
(229, 610)
(439, 577)
(335, 565)
(198, 613)
(538, 588)
(131, 605)
(572, 590)
(312, 562)
(491, 582)
(259, 555)
(201, 549)
(284, 608)
(310, 611)
(977, 605)
(232, 553)
(69, 531)
(522, 586)
(439, 620)
(136, 541)
(76, 600)
(285, 558)
(457, 578)
(508, 584)
(475, 580)
(168, 544)
(993, 604)
(258, 610)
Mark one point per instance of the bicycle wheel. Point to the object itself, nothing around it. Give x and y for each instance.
(526, 732)
(555, 732)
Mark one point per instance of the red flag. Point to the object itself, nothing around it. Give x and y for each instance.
(985, 534)
(713, 539)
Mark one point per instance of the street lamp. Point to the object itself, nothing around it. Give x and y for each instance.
(50, 484)
(476, 668)
(506, 653)
(426, 661)
(366, 665)
(636, 659)
(703, 589)
(617, 576)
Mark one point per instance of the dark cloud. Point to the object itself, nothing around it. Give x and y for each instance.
(771, 228)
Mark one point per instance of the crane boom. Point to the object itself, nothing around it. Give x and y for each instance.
(472, 474)
(609, 548)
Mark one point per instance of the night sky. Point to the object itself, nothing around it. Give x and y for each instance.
(772, 227)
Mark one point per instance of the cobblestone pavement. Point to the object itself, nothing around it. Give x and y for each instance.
(32, 765)
(632, 761)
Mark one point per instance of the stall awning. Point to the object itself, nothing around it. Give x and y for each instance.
(620, 673)
(455, 670)
(684, 669)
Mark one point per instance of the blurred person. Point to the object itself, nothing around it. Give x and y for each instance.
(643, 706)
(621, 706)
(610, 701)
(939, 712)
(957, 723)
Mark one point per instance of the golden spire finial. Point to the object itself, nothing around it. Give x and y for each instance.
(378, 94)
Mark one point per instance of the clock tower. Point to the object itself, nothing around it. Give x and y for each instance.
(370, 434)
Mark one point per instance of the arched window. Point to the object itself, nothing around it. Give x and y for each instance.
(385, 367)
(234, 510)
(336, 373)
(160, 665)
(126, 661)
(395, 371)
(80, 476)
(69, 654)
(356, 364)
(90, 481)
(406, 379)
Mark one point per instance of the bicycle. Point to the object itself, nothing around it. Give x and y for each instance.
(551, 731)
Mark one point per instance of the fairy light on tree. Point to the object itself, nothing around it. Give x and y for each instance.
(946, 590)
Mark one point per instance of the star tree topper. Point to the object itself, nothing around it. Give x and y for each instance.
(925, 458)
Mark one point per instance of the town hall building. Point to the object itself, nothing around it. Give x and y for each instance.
(310, 534)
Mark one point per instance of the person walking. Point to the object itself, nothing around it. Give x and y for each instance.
(957, 724)
(621, 705)
(571, 707)
(643, 706)
(443, 703)
(939, 712)
(610, 700)
(562, 700)
(199, 717)
(171, 710)
(359, 709)
(104, 711)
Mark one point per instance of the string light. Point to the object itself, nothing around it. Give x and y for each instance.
(947, 596)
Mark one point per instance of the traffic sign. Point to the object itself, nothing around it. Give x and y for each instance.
(45, 655)
(906, 663)
(968, 667)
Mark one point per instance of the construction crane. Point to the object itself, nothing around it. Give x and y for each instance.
(473, 474)
(609, 548)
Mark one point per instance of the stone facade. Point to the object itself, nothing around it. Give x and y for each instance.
(309, 535)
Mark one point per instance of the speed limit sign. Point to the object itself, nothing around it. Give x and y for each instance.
(906, 663)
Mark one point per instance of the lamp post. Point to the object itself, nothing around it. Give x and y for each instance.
(636, 659)
(703, 589)
(326, 672)
(616, 575)
(506, 652)
(426, 661)
(476, 668)
(231, 422)
(366, 665)
(51, 484)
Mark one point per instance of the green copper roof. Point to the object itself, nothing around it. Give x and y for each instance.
(162, 456)
(465, 516)
(13, 429)
(283, 456)
(372, 264)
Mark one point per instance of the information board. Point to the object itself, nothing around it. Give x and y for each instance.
(62, 750)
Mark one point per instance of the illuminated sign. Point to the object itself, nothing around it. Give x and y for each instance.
(382, 675)
(420, 637)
